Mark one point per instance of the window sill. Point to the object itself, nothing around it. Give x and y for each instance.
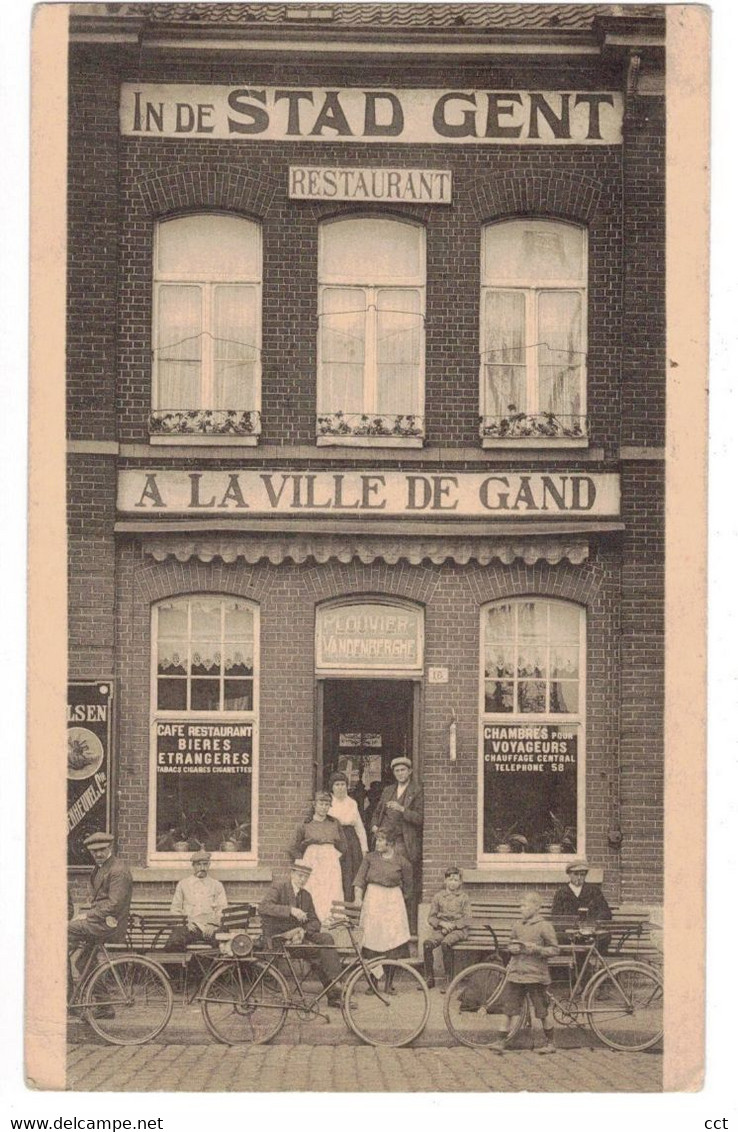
(370, 441)
(534, 442)
(193, 439)
(513, 871)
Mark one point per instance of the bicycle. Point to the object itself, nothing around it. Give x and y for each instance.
(247, 1002)
(126, 999)
(620, 999)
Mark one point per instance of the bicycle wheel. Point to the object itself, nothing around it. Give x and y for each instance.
(128, 1000)
(244, 1003)
(382, 1019)
(475, 1007)
(624, 1004)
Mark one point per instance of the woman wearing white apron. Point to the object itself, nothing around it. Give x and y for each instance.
(319, 842)
(381, 885)
(346, 812)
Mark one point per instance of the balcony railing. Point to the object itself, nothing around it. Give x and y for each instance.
(534, 426)
(205, 422)
(389, 425)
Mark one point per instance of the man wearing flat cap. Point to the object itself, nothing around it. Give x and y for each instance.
(581, 902)
(106, 920)
(400, 810)
(287, 910)
(200, 899)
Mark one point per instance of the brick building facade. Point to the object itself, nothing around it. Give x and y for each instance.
(224, 572)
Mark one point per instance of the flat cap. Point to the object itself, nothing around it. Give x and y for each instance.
(577, 867)
(200, 855)
(402, 761)
(98, 840)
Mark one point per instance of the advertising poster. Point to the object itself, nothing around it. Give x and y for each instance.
(89, 742)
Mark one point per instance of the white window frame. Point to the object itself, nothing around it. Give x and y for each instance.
(207, 372)
(517, 861)
(369, 291)
(157, 715)
(532, 293)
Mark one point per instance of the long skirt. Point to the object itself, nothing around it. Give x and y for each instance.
(383, 919)
(325, 883)
(351, 859)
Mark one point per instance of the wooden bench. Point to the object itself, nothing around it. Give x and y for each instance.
(150, 923)
(629, 930)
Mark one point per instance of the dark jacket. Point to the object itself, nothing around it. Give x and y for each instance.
(566, 903)
(407, 825)
(276, 916)
(111, 886)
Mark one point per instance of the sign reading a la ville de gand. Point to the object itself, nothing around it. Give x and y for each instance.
(359, 492)
(407, 115)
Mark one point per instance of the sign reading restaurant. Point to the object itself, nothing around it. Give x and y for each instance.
(414, 186)
(258, 113)
(357, 492)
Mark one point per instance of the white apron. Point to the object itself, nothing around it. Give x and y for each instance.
(325, 884)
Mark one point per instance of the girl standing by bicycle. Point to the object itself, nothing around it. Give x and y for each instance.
(532, 943)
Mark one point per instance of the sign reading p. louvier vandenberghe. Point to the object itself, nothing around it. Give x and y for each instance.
(89, 734)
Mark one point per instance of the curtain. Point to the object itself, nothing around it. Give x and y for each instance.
(504, 353)
(235, 353)
(179, 347)
(342, 350)
(399, 351)
(560, 352)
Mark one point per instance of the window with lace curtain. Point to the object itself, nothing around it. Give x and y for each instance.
(371, 332)
(533, 333)
(206, 380)
(533, 717)
(204, 723)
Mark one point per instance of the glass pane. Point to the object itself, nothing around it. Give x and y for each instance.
(205, 695)
(239, 621)
(209, 246)
(565, 661)
(533, 252)
(560, 354)
(172, 657)
(500, 623)
(498, 695)
(239, 695)
(565, 696)
(399, 348)
(372, 251)
(179, 347)
(564, 622)
(499, 661)
(503, 353)
(171, 695)
(532, 696)
(533, 620)
(173, 619)
(239, 659)
(213, 810)
(235, 348)
(206, 658)
(342, 345)
(205, 619)
(531, 660)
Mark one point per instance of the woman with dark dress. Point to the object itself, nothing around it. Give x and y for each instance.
(346, 812)
(382, 884)
(320, 843)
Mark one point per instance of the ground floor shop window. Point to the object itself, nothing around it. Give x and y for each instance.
(204, 723)
(532, 727)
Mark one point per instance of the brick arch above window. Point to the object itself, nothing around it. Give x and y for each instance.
(579, 584)
(236, 191)
(381, 580)
(558, 195)
(175, 579)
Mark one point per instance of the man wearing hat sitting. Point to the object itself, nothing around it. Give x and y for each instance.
(400, 810)
(201, 900)
(106, 920)
(581, 902)
(288, 911)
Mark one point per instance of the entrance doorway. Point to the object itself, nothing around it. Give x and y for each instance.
(366, 724)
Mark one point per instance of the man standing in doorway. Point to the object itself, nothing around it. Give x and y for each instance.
(400, 810)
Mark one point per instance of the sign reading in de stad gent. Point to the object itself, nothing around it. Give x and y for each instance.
(462, 495)
(484, 117)
(89, 732)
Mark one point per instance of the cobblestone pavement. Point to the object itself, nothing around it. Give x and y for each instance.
(349, 1068)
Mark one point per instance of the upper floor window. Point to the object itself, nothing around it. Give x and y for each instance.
(533, 332)
(533, 727)
(371, 341)
(206, 329)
